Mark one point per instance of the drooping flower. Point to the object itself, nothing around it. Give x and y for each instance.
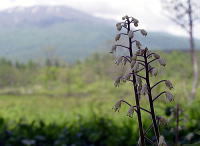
(133, 63)
(139, 88)
(156, 56)
(117, 81)
(162, 120)
(130, 34)
(143, 32)
(119, 26)
(125, 25)
(138, 44)
(144, 90)
(148, 52)
(119, 60)
(135, 20)
(154, 71)
(126, 77)
(131, 111)
(140, 52)
(138, 80)
(135, 67)
(162, 61)
(125, 61)
(117, 105)
(169, 84)
(114, 47)
(169, 96)
(126, 16)
(117, 37)
(162, 141)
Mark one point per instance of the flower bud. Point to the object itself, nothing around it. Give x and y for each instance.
(117, 106)
(126, 77)
(135, 20)
(138, 80)
(136, 24)
(169, 96)
(156, 56)
(162, 62)
(117, 37)
(117, 81)
(143, 32)
(131, 111)
(130, 34)
(162, 120)
(154, 72)
(126, 16)
(144, 90)
(119, 60)
(135, 67)
(169, 84)
(139, 87)
(140, 52)
(119, 26)
(138, 44)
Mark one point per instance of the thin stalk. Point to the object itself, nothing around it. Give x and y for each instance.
(136, 96)
(156, 130)
(177, 124)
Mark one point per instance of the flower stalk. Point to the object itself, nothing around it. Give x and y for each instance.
(138, 61)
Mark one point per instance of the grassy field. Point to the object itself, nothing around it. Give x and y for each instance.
(80, 98)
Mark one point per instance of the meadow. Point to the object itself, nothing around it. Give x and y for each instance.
(71, 104)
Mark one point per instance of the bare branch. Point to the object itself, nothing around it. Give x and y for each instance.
(122, 46)
(159, 95)
(152, 60)
(157, 84)
(126, 102)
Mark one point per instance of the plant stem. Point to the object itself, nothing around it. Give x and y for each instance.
(156, 130)
(142, 138)
(177, 124)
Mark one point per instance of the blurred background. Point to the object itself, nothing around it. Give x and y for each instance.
(56, 73)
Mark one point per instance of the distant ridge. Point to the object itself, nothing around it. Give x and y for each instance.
(58, 31)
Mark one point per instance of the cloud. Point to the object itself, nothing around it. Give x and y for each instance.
(149, 12)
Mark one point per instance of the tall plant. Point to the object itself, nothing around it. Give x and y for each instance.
(139, 61)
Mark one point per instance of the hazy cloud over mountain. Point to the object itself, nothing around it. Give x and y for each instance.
(148, 11)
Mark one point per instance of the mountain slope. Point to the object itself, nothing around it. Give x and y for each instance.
(45, 31)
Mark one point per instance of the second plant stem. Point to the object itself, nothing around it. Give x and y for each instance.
(153, 116)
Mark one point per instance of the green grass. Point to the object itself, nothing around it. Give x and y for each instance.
(80, 97)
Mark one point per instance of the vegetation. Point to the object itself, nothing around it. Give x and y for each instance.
(57, 103)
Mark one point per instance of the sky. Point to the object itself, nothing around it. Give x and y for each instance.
(149, 12)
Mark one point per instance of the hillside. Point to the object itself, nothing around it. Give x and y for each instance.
(62, 32)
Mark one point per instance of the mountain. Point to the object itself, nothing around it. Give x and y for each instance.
(58, 31)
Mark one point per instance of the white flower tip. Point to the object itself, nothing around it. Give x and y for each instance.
(117, 106)
(156, 56)
(169, 96)
(162, 62)
(118, 81)
(131, 111)
(143, 32)
(169, 84)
